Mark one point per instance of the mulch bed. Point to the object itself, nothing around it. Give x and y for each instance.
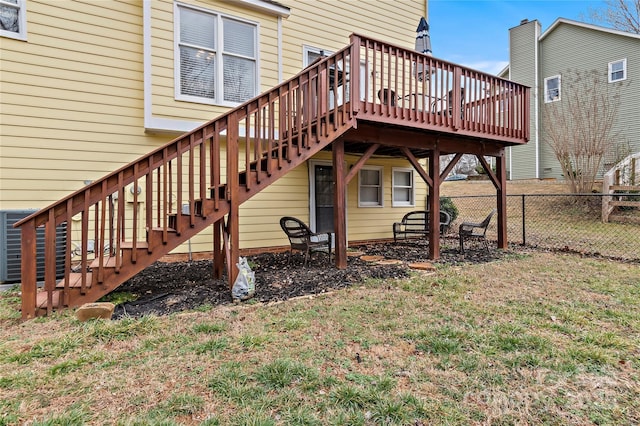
(164, 288)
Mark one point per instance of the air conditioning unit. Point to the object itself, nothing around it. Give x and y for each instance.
(10, 254)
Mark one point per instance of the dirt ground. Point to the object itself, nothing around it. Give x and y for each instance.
(169, 287)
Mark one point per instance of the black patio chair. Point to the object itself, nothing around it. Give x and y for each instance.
(303, 239)
(473, 230)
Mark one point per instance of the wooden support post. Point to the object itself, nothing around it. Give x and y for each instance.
(339, 204)
(218, 251)
(434, 205)
(501, 172)
(28, 269)
(233, 196)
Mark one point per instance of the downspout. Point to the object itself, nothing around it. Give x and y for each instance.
(536, 100)
(146, 62)
(279, 49)
(426, 10)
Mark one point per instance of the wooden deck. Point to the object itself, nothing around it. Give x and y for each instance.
(370, 98)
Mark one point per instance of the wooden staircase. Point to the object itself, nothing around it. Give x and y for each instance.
(149, 207)
(622, 184)
(122, 223)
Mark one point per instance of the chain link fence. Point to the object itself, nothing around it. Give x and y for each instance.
(567, 222)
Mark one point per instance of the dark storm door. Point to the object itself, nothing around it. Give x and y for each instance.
(322, 207)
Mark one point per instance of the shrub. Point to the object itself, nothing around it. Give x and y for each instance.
(446, 205)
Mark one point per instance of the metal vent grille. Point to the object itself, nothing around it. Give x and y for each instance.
(10, 254)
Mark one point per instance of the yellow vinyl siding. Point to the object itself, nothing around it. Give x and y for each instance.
(327, 24)
(72, 99)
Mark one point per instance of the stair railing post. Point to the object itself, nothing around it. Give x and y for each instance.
(233, 192)
(354, 77)
(28, 269)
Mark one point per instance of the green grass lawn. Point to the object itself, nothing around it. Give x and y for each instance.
(539, 338)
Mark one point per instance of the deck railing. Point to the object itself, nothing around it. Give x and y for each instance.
(410, 88)
(201, 173)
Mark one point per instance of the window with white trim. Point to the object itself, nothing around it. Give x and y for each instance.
(552, 89)
(13, 19)
(312, 54)
(216, 57)
(617, 70)
(370, 186)
(403, 188)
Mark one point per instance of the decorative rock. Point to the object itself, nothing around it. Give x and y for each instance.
(89, 311)
(422, 266)
(372, 258)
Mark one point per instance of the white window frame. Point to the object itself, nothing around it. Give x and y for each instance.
(219, 53)
(548, 99)
(22, 20)
(380, 186)
(611, 71)
(411, 187)
(310, 49)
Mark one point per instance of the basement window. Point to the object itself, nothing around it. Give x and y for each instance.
(403, 188)
(370, 187)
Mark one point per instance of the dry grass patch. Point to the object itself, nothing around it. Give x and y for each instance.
(538, 338)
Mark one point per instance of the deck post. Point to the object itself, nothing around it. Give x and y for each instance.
(28, 269)
(339, 204)
(218, 250)
(434, 205)
(501, 171)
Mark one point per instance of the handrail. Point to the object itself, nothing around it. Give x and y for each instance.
(410, 88)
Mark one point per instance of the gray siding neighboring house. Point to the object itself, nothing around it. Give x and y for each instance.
(565, 45)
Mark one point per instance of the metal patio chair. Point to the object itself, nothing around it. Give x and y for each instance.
(473, 230)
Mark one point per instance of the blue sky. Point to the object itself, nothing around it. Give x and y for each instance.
(475, 33)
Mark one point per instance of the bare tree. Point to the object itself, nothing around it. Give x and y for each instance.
(623, 15)
(579, 126)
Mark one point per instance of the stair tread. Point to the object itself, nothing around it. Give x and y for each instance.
(41, 299)
(108, 262)
(129, 244)
(75, 280)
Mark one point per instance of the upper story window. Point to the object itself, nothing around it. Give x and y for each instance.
(370, 187)
(552, 89)
(617, 70)
(13, 19)
(312, 54)
(216, 57)
(403, 188)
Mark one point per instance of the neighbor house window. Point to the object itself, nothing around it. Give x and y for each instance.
(216, 57)
(552, 89)
(13, 19)
(370, 188)
(618, 70)
(403, 188)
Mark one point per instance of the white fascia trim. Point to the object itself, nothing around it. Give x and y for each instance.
(588, 26)
(269, 7)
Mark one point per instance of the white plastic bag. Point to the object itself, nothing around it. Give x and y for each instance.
(245, 285)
